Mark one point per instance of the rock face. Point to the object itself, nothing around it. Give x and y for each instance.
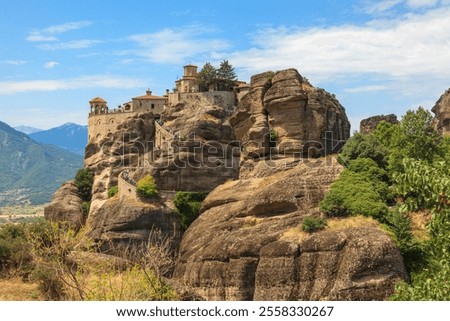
(441, 110)
(283, 114)
(66, 206)
(123, 223)
(247, 244)
(202, 152)
(368, 125)
(129, 146)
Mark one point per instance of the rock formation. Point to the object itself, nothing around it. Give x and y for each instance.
(368, 125)
(66, 206)
(284, 115)
(129, 146)
(441, 111)
(202, 153)
(124, 223)
(247, 243)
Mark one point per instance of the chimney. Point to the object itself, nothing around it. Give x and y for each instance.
(167, 92)
(148, 92)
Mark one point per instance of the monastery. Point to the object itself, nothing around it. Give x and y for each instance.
(103, 121)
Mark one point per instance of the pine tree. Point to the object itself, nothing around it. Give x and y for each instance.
(226, 77)
(206, 77)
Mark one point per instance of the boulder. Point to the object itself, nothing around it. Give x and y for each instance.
(247, 244)
(125, 224)
(441, 111)
(66, 206)
(368, 125)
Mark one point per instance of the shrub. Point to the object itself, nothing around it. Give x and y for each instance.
(86, 208)
(146, 187)
(113, 191)
(84, 180)
(188, 205)
(313, 223)
(353, 194)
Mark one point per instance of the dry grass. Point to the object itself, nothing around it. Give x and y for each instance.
(418, 224)
(353, 221)
(16, 290)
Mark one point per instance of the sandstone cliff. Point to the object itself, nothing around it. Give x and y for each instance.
(202, 152)
(129, 146)
(441, 110)
(368, 125)
(247, 244)
(284, 115)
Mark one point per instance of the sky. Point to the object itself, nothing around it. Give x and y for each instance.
(377, 57)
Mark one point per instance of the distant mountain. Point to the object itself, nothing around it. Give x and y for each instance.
(27, 129)
(29, 171)
(69, 136)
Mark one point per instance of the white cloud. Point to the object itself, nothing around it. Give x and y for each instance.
(367, 88)
(37, 37)
(414, 45)
(51, 64)
(15, 62)
(75, 44)
(62, 28)
(100, 81)
(375, 7)
(421, 3)
(177, 45)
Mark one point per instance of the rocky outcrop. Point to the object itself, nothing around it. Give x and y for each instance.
(203, 153)
(129, 146)
(247, 244)
(368, 125)
(66, 206)
(441, 111)
(125, 223)
(284, 115)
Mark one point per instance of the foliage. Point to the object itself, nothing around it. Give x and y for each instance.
(146, 187)
(226, 77)
(353, 194)
(206, 77)
(188, 205)
(84, 180)
(313, 223)
(113, 191)
(15, 247)
(364, 146)
(273, 136)
(222, 78)
(86, 208)
(422, 185)
(414, 137)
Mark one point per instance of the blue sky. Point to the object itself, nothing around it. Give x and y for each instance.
(378, 57)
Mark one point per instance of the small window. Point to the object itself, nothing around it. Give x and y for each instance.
(153, 106)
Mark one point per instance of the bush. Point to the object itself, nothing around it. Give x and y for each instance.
(188, 205)
(353, 194)
(113, 191)
(364, 146)
(84, 180)
(86, 208)
(146, 187)
(313, 223)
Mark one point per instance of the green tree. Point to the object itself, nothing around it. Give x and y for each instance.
(414, 137)
(206, 77)
(84, 180)
(188, 205)
(226, 76)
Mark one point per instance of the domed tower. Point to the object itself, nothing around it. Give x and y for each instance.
(98, 106)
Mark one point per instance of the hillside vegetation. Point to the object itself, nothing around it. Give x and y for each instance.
(391, 175)
(31, 172)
